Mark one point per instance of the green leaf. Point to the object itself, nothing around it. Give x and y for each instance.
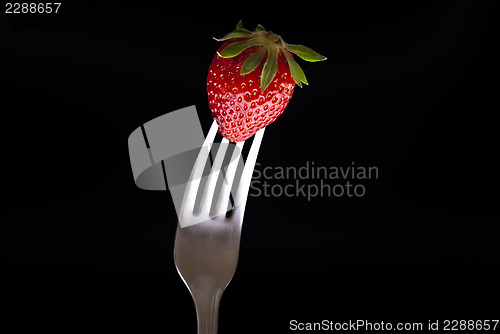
(260, 28)
(234, 49)
(305, 53)
(234, 34)
(295, 70)
(239, 32)
(239, 27)
(252, 61)
(270, 69)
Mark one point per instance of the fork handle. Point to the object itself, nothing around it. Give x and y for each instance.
(207, 310)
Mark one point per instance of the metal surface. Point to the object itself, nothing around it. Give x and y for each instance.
(206, 252)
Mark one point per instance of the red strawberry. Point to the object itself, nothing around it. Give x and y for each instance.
(251, 80)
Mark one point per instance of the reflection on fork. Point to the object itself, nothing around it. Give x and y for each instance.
(208, 236)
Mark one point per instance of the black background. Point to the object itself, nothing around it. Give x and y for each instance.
(410, 87)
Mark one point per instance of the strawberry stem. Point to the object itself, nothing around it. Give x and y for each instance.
(272, 45)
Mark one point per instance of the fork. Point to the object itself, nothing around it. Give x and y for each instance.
(207, 247)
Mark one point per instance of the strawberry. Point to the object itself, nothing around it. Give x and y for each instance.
(251, 80)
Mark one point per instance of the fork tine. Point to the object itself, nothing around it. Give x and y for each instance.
(222, 202)
(193, 184)
(246, 176)
(209, 192)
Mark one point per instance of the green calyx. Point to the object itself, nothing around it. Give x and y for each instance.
(270, 45)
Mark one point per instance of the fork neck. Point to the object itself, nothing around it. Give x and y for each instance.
(207, 311)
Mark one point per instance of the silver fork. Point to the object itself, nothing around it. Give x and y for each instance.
(206, 251)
